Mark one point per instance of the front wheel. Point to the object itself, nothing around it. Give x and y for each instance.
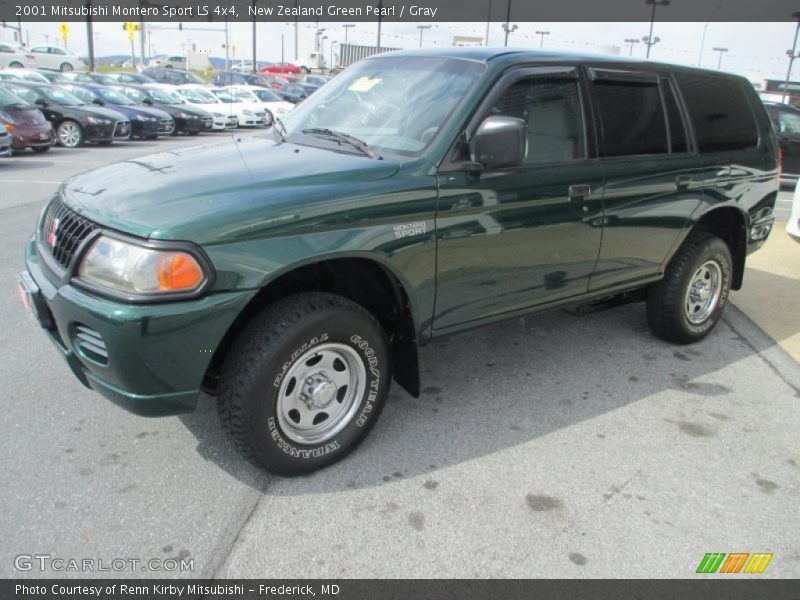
(70, 134)
(686, 305)
(66, 67)
(304, 383)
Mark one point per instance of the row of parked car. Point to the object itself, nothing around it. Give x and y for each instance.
(39, 109)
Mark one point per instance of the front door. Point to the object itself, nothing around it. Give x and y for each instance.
(513, 238)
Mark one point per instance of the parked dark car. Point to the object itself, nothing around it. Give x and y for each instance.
(74, 121)
(296, 91)
(171, 76)
(187, 119)
(294, 278)
(25, 123)
(131, 78)
(225, 78)
(102, 78)
(317, 80)
(76, 77)
(786, 121)
(146, 122)
(55, 76)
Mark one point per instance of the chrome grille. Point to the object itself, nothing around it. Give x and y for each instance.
(165, 125)
(63, 230)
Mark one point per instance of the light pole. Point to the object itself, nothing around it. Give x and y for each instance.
(796, 17)
(507, 26)
(347, 27)
(421, 29)
(703, 39)
(316, 39)
(542, 34)
(652, 22)
(650, 43)
(380, 10)
(488, 22)
(333, 43)
(721, 52)
(631, 42)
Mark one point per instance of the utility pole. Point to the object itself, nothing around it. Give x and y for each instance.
(649, 39)
(792, 56)
(142, 33)
(721, 52)
(380, 10)
(631, 42)
(508, 21)
(227, 46)
(255, 69)
(296, 26)
(90, 33)
(421, 29)
(488, 22)
(542, 34)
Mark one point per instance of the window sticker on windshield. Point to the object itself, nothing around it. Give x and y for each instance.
(364, 84)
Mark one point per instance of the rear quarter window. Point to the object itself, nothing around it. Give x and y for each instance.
(719, 112)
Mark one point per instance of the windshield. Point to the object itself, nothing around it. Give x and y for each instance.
(9, 101)
(393, 104)
(267, 96)
(62, 97)
(225, 96)
(114, 97)
(245, 95)
(164, 96)
(192, 78)
(134, 94)
(198, 96)
(789, 123)
(83, 94)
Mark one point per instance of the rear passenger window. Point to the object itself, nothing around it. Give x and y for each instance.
(719, 112)
(631, 117)
(551, 107)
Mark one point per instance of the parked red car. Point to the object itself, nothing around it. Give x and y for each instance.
(25, 124)
(279, 68)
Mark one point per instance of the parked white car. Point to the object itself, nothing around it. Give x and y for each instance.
(793, 226)
(28, 75)
(248, 113)
(170, 62)
(274, 105)
(57, 59)
(201, 97)
(14, 57)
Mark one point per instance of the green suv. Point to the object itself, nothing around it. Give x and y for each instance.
(293, 275)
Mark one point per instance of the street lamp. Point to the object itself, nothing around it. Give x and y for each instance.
(333, 43)
(721, 52)
(542, 34)
(796, 17)
(421, 29)
(316, 38)
(647, 39)
(347, 27)
(631, 42)
(703, 40)
(507, 27)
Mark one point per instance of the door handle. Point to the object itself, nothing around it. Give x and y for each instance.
(683, 180)
(579, 192)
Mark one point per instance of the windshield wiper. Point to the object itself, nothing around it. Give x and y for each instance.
(342, 137)
(280, 127)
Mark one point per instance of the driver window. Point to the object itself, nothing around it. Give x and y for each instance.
(552, 110)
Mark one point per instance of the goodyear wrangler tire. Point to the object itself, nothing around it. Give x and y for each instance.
(304, 383)
(688, 302)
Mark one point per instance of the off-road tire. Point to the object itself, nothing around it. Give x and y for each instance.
(265, 352)
(666, 300)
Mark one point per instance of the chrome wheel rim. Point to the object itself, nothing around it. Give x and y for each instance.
(69, 134)
(268, 119)
(320, 393)
(703, 293)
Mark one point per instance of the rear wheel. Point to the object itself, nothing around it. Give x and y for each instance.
(304, 383)
(66, 67)
(688, 302)
(16, 65)
(70, 134)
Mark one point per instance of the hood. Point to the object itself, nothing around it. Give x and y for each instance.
(98, 111)
(27, 116)
(220, 191)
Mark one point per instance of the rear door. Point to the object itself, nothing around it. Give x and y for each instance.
(524, 236)
(652, 181)
(788, 130)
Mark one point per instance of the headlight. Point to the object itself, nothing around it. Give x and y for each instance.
(132, 269)
(249, 113)
(141, 118)
(97, 120)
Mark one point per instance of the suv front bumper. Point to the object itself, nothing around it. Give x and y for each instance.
(148, 358)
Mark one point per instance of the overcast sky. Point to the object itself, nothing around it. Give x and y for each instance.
(753, 48)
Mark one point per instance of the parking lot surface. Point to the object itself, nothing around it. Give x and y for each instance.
(549, 446)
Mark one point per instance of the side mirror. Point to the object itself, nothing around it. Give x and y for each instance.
(40, 102)
(98, 101)
(499, 142)
(148, 101)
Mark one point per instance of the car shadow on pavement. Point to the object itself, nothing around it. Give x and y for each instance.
(506, 384)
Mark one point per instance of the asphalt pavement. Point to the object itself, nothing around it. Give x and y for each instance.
(548, 446)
